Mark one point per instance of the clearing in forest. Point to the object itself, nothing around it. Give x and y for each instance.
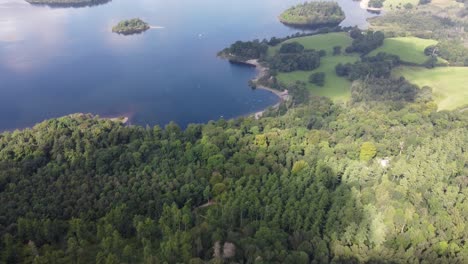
(335, 87)
(409, 49)
(448, 83)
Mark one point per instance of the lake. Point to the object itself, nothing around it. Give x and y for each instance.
(58, 61)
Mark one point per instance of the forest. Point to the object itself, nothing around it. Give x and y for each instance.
(293, 57)
(380, 177)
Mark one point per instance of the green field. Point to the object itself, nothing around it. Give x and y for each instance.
(336, 88)
(319, 42)
(409, 49)
(449, 84)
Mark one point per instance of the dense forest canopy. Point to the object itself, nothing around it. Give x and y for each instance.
(379, 178)
(245, 50)
(293, 57)
(322, 183)
(313, 14)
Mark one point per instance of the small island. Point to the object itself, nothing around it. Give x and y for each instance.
(130, 27)
(313, 14)
(68, 3)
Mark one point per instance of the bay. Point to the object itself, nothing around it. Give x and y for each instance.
(58, 61)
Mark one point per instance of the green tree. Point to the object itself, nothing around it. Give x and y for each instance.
(317, 78)
(336, 50)
(368, 151)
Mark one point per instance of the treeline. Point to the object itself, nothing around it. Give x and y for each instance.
(363, 42)
(388, 89)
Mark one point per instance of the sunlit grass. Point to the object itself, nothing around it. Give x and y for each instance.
(448, 83)
(409, 49)
(319, 42)
(336, 88)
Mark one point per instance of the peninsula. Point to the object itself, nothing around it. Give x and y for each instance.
(313, 14)
(130, 27)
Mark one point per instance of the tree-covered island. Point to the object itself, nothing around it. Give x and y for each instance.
(68, 3)
(132, 26)
(313, 14)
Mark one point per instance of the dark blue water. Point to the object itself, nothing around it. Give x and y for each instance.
(58, 61)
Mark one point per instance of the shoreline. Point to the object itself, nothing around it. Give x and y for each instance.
(122, 119)
(262, 71)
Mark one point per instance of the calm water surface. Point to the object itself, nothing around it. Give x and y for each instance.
(58, 61)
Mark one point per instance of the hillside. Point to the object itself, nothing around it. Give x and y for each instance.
(409, 49)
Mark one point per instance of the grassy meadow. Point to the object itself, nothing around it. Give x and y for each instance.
(449, 84)
(409, 49)
(336, 88)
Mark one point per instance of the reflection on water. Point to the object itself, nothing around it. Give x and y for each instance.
(32, 35)
(71, 3)
(57, 61)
